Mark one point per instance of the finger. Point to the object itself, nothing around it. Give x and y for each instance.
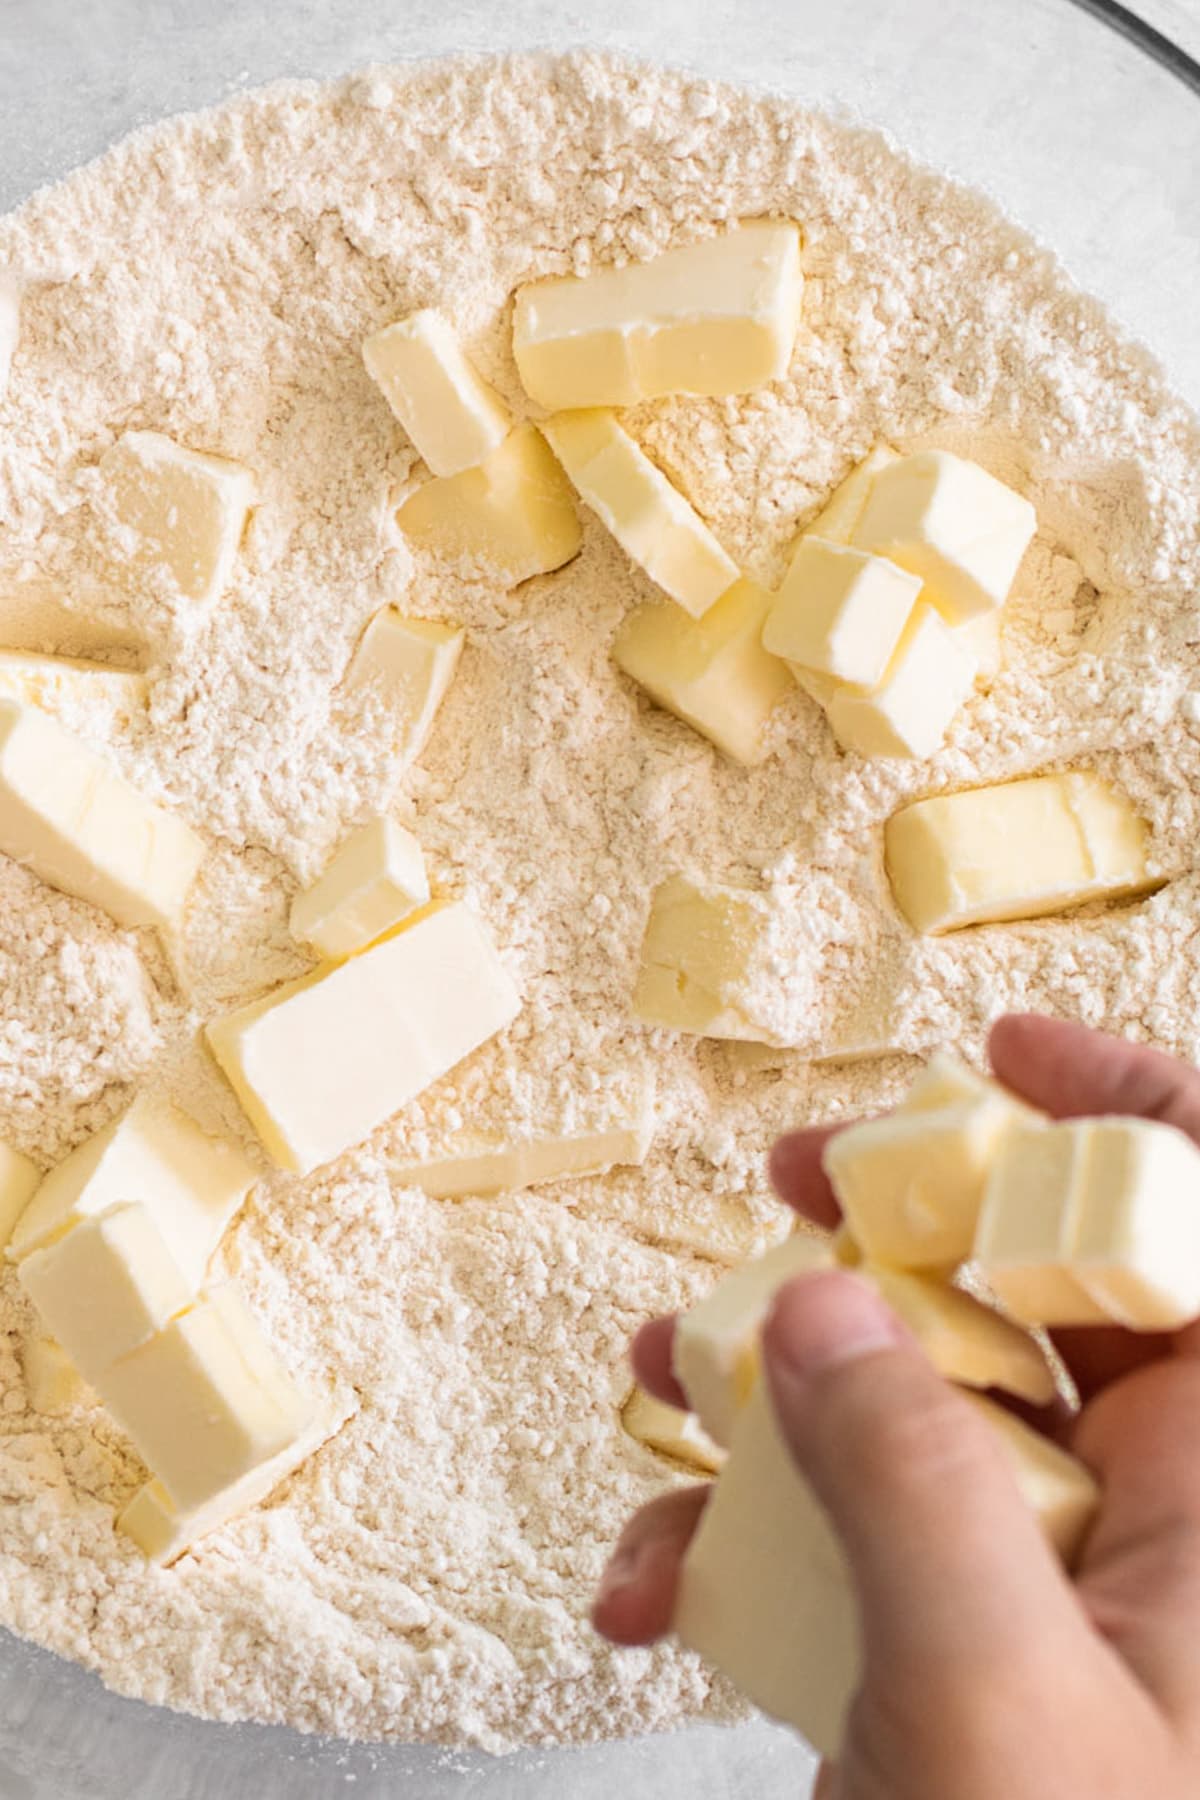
(934, 1526)
(798, 1177)
(652, 1359)
(636, 1597)
(1098, 1355)
(826, 1787)
(1071, 1071)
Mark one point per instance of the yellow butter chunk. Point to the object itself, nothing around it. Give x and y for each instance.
(191, 1184)
(19, 1179)
(163, 1533)
(480, 1166)
(927, 681)
(52, 1381)
(514, 514)
(651, 520)
(718, 317)
(451, 414)
(205, 1400)
(840, 612)
(188, 509)
(52, 681)
(671, 1432)
(951, 523)
(712, 673)
(1017, 851)
(106, 1287)
(838, 518)
(1060, 1491)
(376, 878)
(319, 1063)
(10, 326)
(67, 814)
(965, 1340)
(1095, 1221)
(412, 662)
(708, 962)
(983, 639)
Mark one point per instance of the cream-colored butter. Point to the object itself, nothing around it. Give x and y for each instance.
(1016, 851)
(712, 673)
(19, 1179)
(52, 682)
(706, 964)
(966, 1341)
(838, 518)
(840, 612)
(412, 663)
(671, 1432)
(718, 317)
(376, 878)
(929, 678)
(191, 1184)
(323, 1061)
(651, 520)
(52, 1382)
(187, 508)
(106, 1286)
(514, 514)
(951, 523)
(451, 414)
(69, 816)
(1062, 1494)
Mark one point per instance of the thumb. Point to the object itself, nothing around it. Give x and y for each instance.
(949, 1564)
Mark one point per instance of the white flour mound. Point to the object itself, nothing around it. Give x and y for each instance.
(428, 1574)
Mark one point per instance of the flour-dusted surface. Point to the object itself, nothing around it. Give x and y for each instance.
(427, 1575)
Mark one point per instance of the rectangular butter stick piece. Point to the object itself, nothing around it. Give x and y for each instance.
(188, 508)
(52, 1381)
(717, 317)
(451, 414)
(473, 1167)
(412, 663)
(838, 518)
(710, 962)
(321, 1062)
(375, 878)
(55, 682)
(67, 815)
(671, 1432)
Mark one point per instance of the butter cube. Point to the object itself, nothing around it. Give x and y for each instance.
(712, 673)
(376, 878)
(413, 662)
(669, 1431)
(479, 1165)
(10, 325)
(1095, 1221)
(965, 1340)
(67, 815)
(718, 317)
(52, 1381)
(163, 1534)
(188, 508)
(945, 1081)
(154, 1154)
(322, 1061)
(708, 962)
(54, 681)
(451, 414)
(205, 1400)
(715, 1354)
(928, 679)
(514, 514)
(106, 1287)
(838, 519)
(1061, 1492)
(951, 523)
(821, 688)
(18, 1180)
(840, 612)
(1016, 851)
(983, 639)
(649, 517)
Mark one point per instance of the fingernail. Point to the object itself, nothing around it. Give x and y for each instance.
(625, 1568)
(826, 1320)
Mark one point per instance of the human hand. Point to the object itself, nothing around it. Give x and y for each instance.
(989, 1674)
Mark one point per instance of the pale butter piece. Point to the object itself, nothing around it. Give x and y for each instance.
(376, 878)
(50, 682)
(191, 1184)
(188, 508)
(412, 661)
(19, 1179)
(983, 638)
(453, 417)
(67, 815)
(951, 523)
(514, 513)
(671, 1432)
(652, 521)
(713, 672)
(205, 1400)
(965, 1340)
(840, 612)
(1016, 851)
(322, 1061)
(163, 1534)
(706, 961)
(838, 518)
(1062, 1493)
(929, 678)
(106, 1286)
(52, 1381)
(1095, 1221)
(718, 317)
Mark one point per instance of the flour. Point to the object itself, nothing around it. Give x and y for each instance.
(427, 1575)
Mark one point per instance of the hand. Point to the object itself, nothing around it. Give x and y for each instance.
(988, 1673)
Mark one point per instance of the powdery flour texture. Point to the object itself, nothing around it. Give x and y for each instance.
(427, 1575)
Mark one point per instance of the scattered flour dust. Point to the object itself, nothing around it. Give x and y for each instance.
(427, 1575)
